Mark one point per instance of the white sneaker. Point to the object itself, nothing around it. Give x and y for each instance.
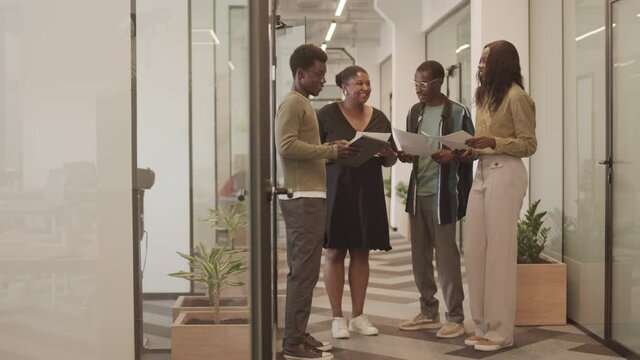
(488, 345)
(339, 328)
(473, 340)
(450, 330)
(362, 325)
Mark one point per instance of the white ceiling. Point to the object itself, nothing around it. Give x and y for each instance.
(358, 26)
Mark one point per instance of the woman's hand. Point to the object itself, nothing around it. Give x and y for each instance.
(387, 153)
(481, 142)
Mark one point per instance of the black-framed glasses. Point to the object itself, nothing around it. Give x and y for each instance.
(424, 85)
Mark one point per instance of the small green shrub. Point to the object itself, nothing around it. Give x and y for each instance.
(532, 236)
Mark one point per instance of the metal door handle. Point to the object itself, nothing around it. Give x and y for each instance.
(241, 194)
(278, 191)
(605, 162)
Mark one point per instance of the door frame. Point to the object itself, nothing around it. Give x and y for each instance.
(260, 169)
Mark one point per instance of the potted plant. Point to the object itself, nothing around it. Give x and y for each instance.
(196, 335)
(402, 219)
(216, 269)
(229, 219)
(542, 281)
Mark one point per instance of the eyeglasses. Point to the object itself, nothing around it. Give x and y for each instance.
(424, 85)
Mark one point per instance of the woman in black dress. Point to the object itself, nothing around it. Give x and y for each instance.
(356, 210)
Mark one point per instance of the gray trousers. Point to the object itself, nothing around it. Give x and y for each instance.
(427, 235)
(305, 222)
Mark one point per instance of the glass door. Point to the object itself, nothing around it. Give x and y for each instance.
(624, 263)
(202, 91)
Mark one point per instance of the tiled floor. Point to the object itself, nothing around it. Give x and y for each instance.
(392, 298)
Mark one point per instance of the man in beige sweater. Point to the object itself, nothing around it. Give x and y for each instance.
(301, 165)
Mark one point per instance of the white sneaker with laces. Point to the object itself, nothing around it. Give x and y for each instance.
(339, 328)
(362, 325)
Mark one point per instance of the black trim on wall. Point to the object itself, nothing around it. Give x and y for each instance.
(137, 277)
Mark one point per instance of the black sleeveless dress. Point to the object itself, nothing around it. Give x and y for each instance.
(356, 210)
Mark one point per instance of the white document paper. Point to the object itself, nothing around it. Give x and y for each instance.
(373, 135)
(454, 141)
(412, 144)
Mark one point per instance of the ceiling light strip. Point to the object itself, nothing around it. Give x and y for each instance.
(340, 8)
(332, 28)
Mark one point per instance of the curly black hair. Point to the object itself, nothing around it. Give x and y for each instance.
(304, 56)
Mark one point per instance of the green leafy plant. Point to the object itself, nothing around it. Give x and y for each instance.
(387, 187)
(230, 218)
(532, 236)
(402, 191)
(213, 266)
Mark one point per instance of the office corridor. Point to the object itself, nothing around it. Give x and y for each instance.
(392, 298)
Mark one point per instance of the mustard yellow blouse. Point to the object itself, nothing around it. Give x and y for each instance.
(513, 125)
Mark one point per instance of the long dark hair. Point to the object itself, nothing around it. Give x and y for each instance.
(502, 69)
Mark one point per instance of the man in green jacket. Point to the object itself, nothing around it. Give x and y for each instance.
(437, 197)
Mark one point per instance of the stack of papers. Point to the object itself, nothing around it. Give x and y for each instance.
(369, 144)
(417, 144)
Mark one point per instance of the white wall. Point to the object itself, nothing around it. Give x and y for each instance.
(163, 133)
(66, 233)
(546, 89)
(408, 52)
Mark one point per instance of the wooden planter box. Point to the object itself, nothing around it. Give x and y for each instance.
(206, 342)
(542, 294)
(194, 303)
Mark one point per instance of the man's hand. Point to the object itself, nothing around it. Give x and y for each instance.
(465, 155)
(404, 157)
(344, 150)
(442, 156)
(481, 142)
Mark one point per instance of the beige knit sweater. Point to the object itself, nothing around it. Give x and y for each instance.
(301, 157)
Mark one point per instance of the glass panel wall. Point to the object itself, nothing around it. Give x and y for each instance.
(584, 146)
(449, 44)
(193, 132)
(66, 233)
(626, 171)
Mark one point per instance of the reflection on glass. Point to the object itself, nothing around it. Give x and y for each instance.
(626, 190)
(584, 181)
(450, 44)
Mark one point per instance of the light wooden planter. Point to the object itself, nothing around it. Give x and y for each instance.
(542, 294)
(205, 342)
(186, 303)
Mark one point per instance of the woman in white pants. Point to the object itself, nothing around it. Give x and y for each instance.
(505, 133)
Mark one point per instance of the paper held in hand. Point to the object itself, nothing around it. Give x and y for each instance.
(454, 141)
(369, 144)
(412, 143)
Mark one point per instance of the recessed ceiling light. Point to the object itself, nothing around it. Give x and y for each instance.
(340, 7)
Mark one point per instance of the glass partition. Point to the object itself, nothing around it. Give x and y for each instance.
(449, 43)
(193, 132)
(584, 146)
(625, 307)
(66, 223)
